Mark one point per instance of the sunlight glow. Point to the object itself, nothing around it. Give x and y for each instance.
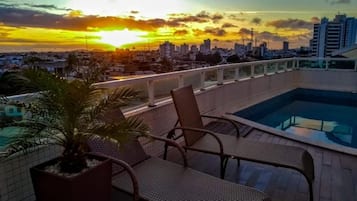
(119, 38)
(149, 9)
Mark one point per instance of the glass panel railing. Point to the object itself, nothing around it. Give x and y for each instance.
(271, 68)
(281, 66)
(193, 79)
(259, 70)
(244, 72)
(290, 65)
(163, 87)
(210, 78)
(317, 64)
(228, 74)
(339, 64)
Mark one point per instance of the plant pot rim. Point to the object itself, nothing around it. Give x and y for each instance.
(40, 167)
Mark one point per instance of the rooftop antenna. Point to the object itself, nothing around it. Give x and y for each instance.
(86, 42)
(256, 42)
(251, 35)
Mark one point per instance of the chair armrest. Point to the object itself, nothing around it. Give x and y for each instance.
(172, 143)
(224, 119)
(128, 169)
(198, 130)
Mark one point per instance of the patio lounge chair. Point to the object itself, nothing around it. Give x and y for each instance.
(198, 138)
(151, 178)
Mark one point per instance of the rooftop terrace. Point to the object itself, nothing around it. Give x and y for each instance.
(227, 89)
(336, 173)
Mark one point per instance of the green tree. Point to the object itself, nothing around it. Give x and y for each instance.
(72, 64)
(233, 59)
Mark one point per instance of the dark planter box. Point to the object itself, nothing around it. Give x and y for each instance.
(91, 185)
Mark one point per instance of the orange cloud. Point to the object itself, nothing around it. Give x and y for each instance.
(180, 32)
(290, 24)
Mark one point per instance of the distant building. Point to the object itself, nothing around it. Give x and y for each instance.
(285, 46)
(194, 49)
(167, 50)
(240, 50)
(330, 36)
(205, 48)
(263, 49)
(249, 46)
(184, 49)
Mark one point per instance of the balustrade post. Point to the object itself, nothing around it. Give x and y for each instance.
(326, 64)
(265, 69)
(236, 74)
(151, 93)
(355, 65)
(181, 81)
(202, 80)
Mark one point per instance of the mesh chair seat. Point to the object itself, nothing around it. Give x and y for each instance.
(162, 181)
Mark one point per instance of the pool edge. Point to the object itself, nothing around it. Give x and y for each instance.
(283, 134)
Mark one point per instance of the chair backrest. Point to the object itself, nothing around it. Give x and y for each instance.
(131, 152)
(188, 112)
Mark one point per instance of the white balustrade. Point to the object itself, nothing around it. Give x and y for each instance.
(219, 69)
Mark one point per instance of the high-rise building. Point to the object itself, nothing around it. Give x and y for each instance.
(330, 36)
(207, 44)
(205, 48)
(167, 50)
(184, 49)
(240, 50)
(194, 49)
(285, 45)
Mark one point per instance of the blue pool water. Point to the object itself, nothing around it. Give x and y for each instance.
(6, 134)
(326, 116)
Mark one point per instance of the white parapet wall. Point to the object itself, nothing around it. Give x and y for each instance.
(332, 80)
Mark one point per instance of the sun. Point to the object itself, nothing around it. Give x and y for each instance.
(119, 38)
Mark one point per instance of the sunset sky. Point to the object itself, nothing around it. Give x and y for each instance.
(58, 25)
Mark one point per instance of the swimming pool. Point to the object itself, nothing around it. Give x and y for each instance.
(6, 134)
(326, 116)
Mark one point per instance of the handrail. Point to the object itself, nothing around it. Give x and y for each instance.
(279, 66)
(117, 83)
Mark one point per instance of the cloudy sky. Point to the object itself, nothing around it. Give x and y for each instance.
(57, 25)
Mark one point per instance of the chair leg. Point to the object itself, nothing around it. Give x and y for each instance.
(165, 152)
(238, 162)
(224, 161)
(311, 191)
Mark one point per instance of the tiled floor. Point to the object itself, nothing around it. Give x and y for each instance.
(335, 173)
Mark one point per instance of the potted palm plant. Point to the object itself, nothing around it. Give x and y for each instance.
(68, 114)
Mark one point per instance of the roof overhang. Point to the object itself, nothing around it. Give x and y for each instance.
(350, 52)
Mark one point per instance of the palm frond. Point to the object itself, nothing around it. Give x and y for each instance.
(31, 137)
(121, 130)
(115, 99)
(68, 113)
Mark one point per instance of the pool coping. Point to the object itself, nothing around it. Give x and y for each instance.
(280, 133)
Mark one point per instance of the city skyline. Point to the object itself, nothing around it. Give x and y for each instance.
(108, 24)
